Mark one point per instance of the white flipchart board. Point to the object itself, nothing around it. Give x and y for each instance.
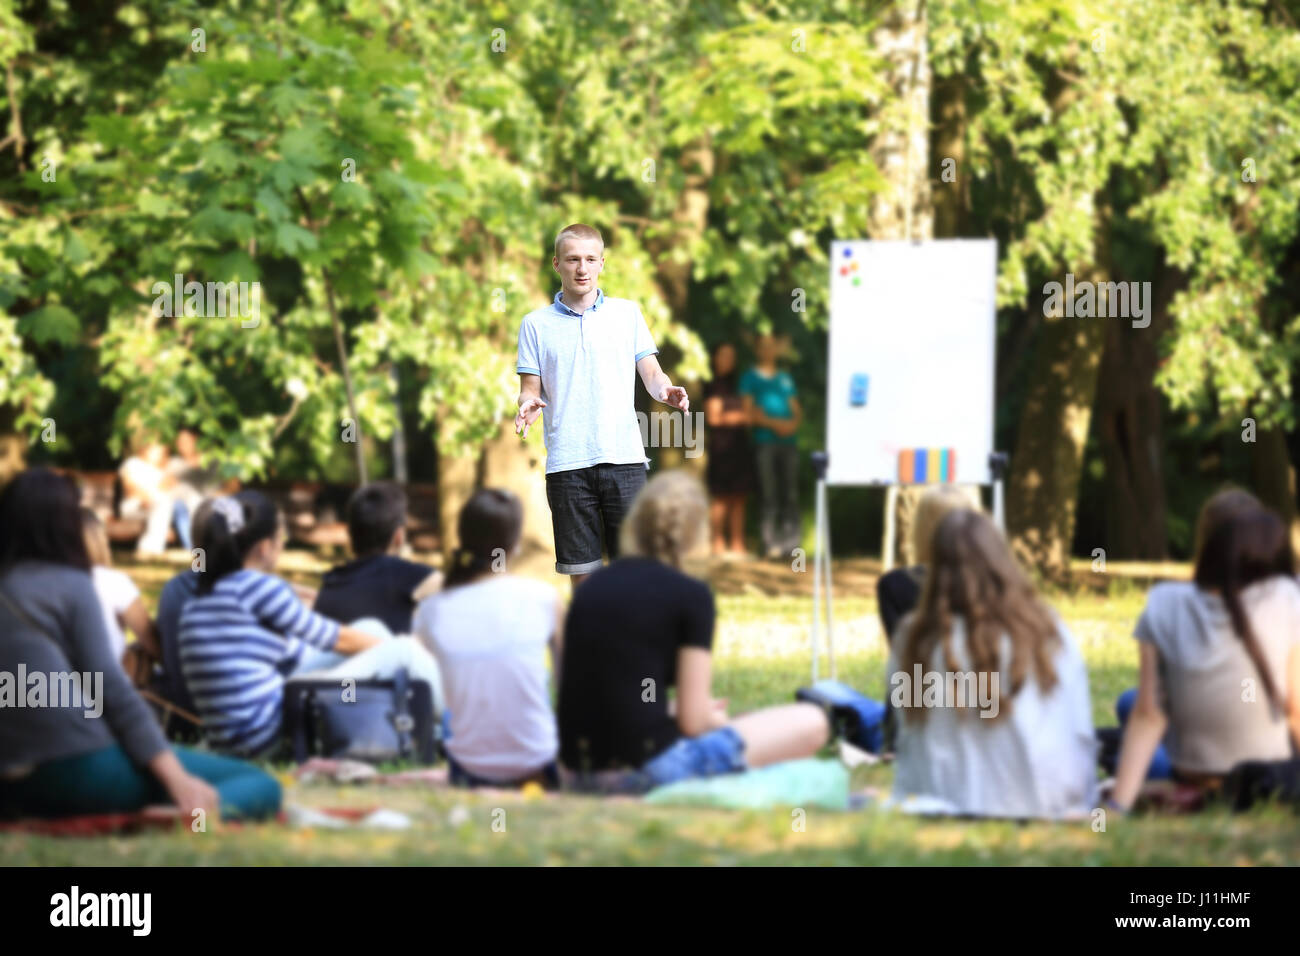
(918, 320)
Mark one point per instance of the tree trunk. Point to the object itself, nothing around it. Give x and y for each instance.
(1129, 431)
(1043, 490)
(1273, 475)
(901, 152)
(673, 270)
(519, 466)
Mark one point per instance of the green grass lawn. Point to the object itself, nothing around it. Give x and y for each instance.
(761, 657)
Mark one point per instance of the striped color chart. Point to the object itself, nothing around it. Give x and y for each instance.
(927, 466)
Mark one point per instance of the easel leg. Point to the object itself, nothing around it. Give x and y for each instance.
(891, 509)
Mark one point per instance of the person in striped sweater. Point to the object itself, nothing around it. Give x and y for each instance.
(246, 632)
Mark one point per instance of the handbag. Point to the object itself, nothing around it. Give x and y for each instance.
(374, 720)
(853, 717)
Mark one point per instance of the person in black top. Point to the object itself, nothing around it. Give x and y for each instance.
(637, 629)
(376, 583)
(730, 471)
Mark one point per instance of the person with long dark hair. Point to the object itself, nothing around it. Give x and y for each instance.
(246, 632)
(1219, 666)
(105, 752)
(490, 630)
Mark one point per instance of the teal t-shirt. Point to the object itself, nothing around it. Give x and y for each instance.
(771, 395)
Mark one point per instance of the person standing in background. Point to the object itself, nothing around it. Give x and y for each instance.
(776, 413)
(731, 464)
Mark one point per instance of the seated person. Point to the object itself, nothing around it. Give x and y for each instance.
(123, 607)
(149, 492)
(53, 760)
(192, 482)
(246, 632)
(377, 582)
(176, 593)
(1218, 509)
(897, 591)
(489, 630)
(1219, 665)
(637, 629)
(1018, 743)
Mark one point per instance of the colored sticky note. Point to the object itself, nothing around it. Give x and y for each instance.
(905, 466)
(918, 472)
(858, 390)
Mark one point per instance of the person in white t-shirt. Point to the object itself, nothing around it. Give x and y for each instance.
(149, 491)
(490, 631)
(992, 689)
(121, 602)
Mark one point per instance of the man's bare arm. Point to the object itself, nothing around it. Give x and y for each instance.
(660, 386)
(530, 403)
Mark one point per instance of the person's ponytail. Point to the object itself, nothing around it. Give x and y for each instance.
(234, 527)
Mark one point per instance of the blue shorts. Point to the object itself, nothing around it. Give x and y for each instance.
(709, 755)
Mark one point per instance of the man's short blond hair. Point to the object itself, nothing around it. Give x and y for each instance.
(578, 230)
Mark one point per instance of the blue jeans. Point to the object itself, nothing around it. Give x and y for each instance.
(1161, 768)
(718, 752)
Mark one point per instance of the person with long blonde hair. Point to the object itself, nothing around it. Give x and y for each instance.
(640, 628)
(993, 690)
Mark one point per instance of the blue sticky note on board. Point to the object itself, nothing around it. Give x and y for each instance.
(858, 389)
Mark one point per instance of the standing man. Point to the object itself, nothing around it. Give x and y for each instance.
(576, 358)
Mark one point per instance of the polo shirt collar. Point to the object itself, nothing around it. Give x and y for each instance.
(559, 303)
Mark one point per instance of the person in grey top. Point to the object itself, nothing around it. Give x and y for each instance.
(1219, 660)
(75, 737)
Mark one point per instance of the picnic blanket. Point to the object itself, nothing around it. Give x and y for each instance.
(795, 783)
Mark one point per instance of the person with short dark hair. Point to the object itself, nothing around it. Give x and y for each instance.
(66, 759)
(377, 582)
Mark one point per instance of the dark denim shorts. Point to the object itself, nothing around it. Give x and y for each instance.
(588, 504)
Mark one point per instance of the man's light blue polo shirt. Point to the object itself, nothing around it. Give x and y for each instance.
(587, 363)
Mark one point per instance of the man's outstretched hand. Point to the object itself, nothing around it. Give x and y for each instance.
(528, 413)
(675, 396)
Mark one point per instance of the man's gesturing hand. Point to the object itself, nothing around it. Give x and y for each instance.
(675, 396)
(528, 413)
